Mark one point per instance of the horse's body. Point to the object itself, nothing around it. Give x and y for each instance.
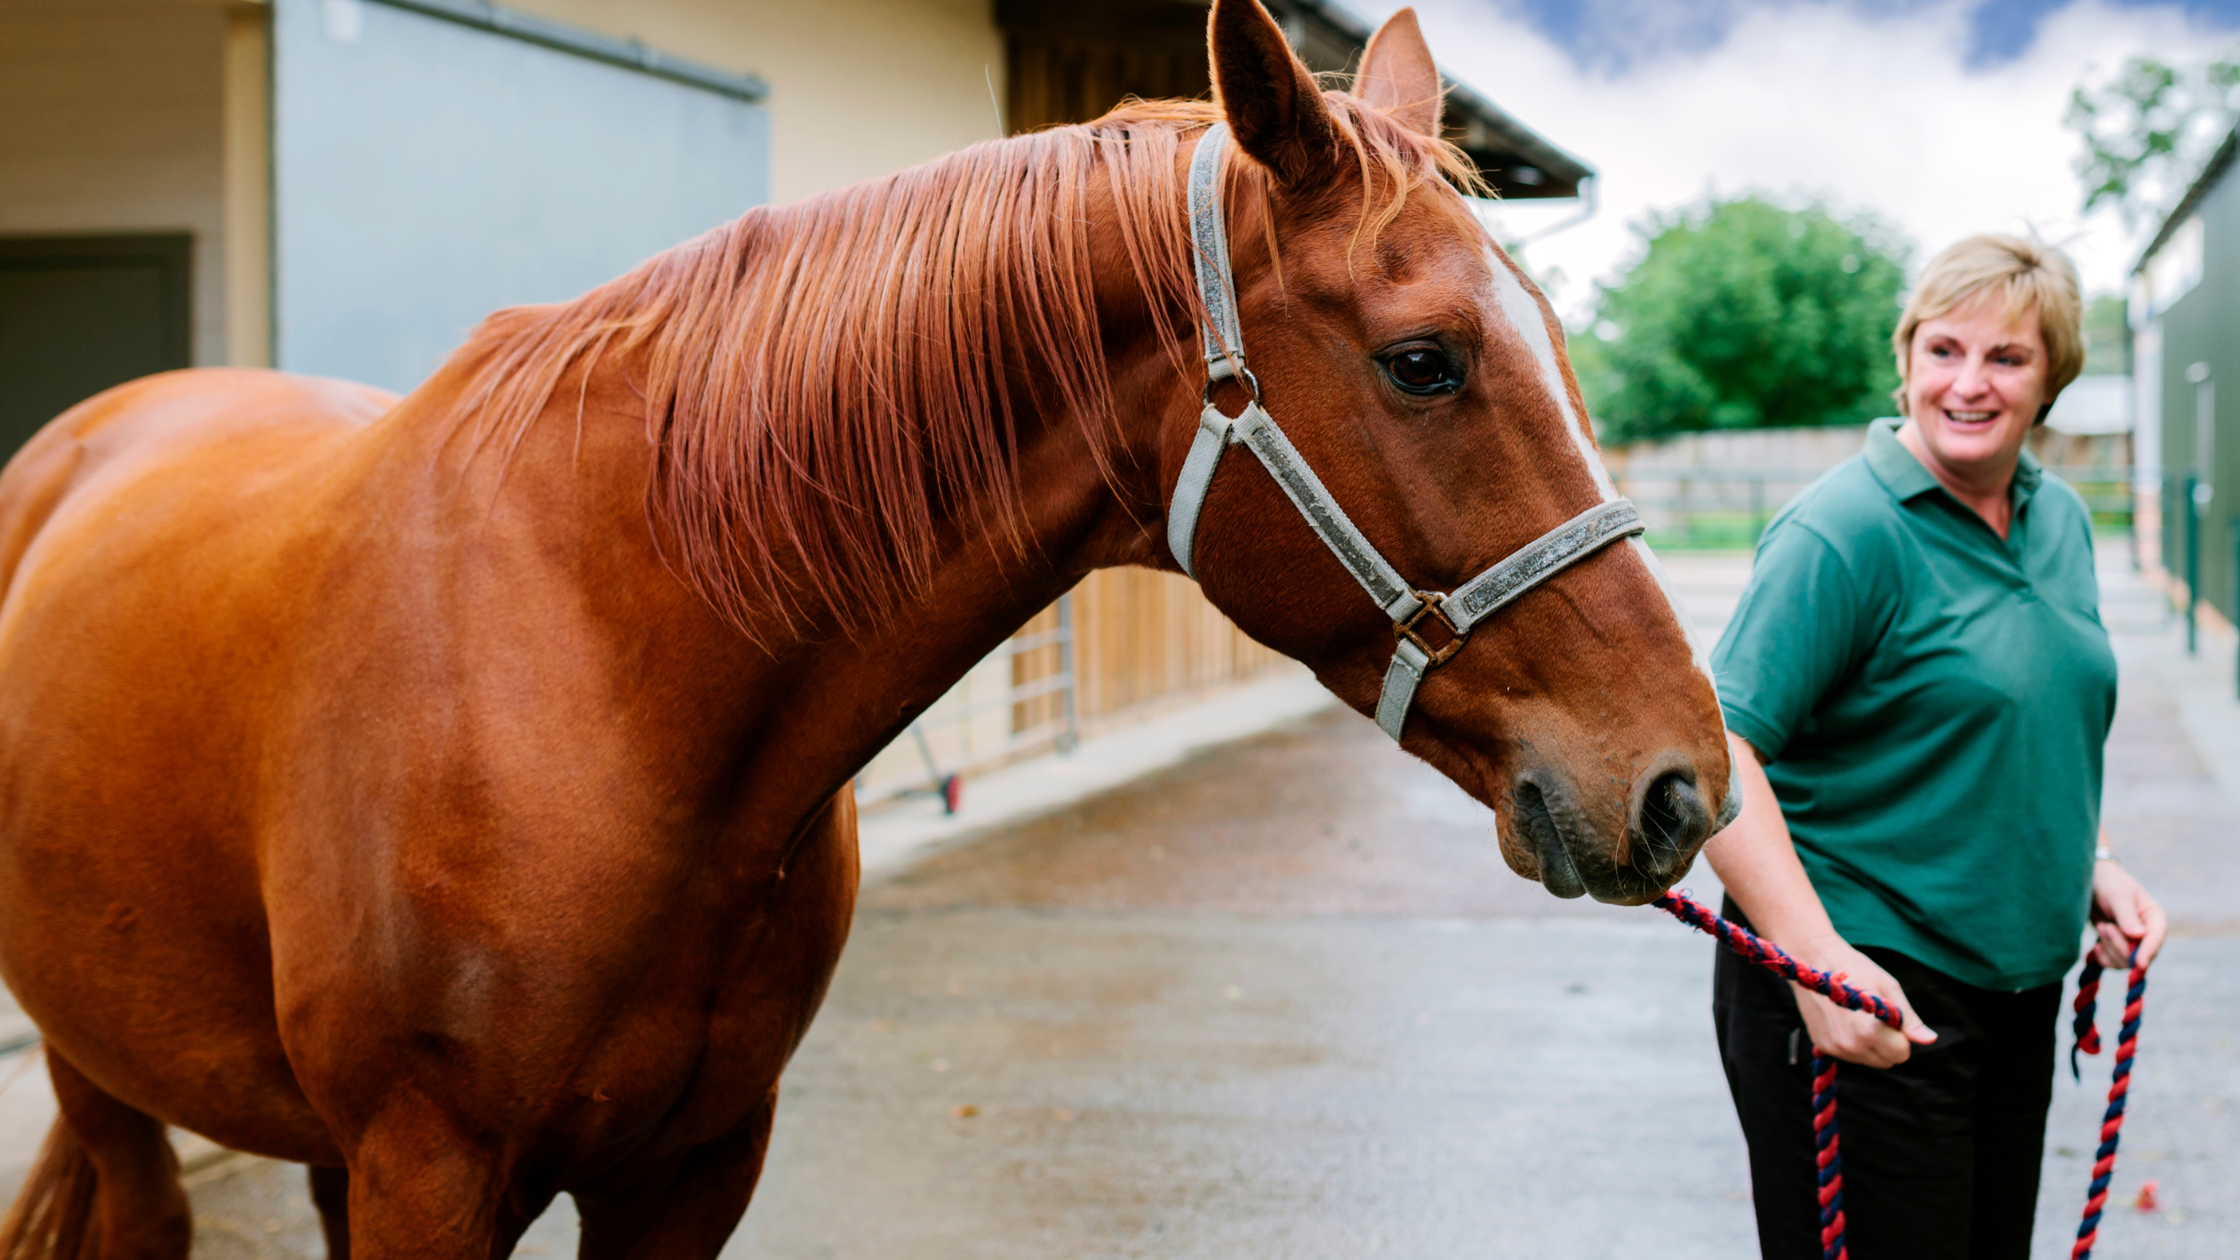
(313, 632)
(452, 790)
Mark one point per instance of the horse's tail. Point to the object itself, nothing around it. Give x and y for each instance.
(53, 1214)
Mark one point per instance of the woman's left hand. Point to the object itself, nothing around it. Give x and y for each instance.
(2124, 915)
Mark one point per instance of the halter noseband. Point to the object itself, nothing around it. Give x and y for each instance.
(1459, 611)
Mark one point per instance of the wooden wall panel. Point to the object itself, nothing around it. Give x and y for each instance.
(1145, 637)
(1140, 638)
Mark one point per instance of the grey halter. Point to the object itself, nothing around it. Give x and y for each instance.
(1460, 611)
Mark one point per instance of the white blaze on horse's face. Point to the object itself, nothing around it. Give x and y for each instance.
(1530, 319)
(1531, 322)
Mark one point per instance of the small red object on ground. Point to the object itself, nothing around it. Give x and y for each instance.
(2147, 1201)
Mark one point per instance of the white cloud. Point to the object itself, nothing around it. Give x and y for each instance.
(1815, 100)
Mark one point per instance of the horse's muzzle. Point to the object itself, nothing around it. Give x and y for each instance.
(1666, 824)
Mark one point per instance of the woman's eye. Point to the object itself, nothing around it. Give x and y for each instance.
(1423, 370)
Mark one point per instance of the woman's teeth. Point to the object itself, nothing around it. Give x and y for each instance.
(1969, 417)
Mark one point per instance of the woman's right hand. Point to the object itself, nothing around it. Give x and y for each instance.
(1856, 1036)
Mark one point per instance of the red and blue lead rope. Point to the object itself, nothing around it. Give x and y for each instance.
(1748, 946)
(2119, 1090)
(1827, 1146)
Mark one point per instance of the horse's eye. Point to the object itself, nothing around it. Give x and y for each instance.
(1422, 370)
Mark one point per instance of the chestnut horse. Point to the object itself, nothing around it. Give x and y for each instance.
(451, 793)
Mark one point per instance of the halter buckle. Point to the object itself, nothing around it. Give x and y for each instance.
(1454, 638)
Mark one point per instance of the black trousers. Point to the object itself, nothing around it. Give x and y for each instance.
(1940, 1153)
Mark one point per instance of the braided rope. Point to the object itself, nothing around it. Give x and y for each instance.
(1828, 1154)
(2088, 996)
(1768, 956)
(2119, 1089)
(1827, 1143)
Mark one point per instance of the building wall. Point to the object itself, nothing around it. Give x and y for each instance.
(111, 122)
(858, 88)
(2203, 328)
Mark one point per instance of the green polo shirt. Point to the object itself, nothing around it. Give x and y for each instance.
(1932, 702)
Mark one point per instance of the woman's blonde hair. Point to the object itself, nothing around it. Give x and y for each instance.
(2025, 275)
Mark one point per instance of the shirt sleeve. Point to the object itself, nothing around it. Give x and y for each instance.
(1794, 634)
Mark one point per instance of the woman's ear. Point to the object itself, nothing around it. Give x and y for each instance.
(1270, 100)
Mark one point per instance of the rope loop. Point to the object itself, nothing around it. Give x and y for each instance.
(1828, 1144)
(1764, 954)
(2119, 1087)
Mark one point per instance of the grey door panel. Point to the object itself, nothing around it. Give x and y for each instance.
(427, 172)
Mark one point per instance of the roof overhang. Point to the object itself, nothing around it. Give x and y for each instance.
(1518, 162)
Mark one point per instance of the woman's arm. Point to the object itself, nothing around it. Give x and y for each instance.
(2123, 914)
(1758, 864)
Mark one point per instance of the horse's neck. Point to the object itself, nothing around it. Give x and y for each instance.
(805, 707)
(847, 694)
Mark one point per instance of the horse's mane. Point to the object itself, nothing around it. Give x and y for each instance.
(834, 386)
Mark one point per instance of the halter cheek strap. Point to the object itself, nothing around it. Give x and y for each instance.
(1257, 431)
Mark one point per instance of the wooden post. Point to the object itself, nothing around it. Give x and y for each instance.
(246, 160)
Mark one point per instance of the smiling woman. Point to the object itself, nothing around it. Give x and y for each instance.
(1990, 338)
(1919, 668)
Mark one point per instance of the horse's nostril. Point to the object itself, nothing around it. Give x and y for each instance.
(1670, 824)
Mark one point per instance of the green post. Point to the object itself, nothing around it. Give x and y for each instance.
(2192, 512)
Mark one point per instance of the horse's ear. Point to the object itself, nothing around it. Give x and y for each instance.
(1398, 76)
(1272, 104)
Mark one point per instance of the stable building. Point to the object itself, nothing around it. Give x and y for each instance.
(2184, 310)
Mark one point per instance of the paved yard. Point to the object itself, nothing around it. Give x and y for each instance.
(1285, 1000)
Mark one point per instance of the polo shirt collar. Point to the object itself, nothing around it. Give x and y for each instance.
(1904, 477)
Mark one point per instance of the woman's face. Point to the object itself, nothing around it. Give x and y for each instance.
(1974, 385)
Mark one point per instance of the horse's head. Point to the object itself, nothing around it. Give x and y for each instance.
(1422, 378)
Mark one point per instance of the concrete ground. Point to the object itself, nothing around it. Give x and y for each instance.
(1283, 999)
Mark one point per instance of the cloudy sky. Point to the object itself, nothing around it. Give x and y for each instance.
(1941, 116)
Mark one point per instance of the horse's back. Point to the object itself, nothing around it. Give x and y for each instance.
(172, 421)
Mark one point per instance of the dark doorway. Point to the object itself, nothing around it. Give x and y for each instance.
(79, 314)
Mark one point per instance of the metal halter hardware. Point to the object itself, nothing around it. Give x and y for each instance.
(1457, 611)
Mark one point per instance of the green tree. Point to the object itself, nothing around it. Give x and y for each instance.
(2148, 129)
(1744, 314)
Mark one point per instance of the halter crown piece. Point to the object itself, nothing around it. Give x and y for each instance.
(1460, 610)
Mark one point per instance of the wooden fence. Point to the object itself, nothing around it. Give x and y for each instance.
(1123, 644)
